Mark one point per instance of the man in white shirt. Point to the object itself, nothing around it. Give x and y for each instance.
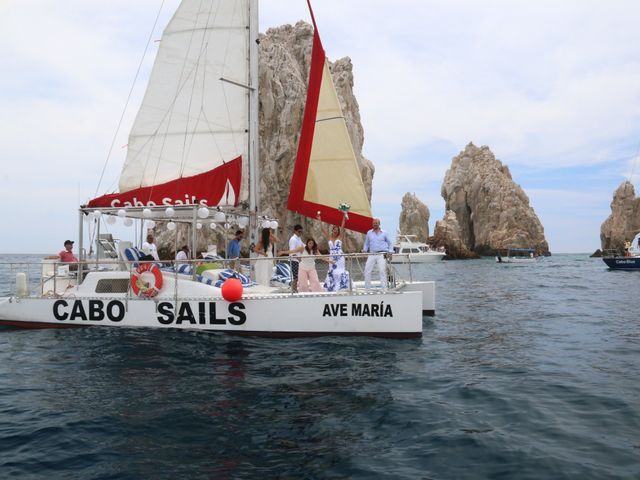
(296, 246)
(379, 243)
(149, 248)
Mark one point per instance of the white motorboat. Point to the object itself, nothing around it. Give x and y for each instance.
(408, 250)
(517, 255)
(192, 159)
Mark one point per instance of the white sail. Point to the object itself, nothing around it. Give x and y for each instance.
(194, 116)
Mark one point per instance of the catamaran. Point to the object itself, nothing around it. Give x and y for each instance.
(192, 159)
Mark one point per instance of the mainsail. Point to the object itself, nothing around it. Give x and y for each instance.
(326, 171)
(189, 142)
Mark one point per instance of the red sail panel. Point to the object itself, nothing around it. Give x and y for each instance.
(299, 182)
(207, 188)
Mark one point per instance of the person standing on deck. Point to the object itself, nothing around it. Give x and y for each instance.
(378, 243)
(233, 251)
(296, 246)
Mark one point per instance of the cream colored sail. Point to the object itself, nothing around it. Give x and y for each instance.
(334, 176)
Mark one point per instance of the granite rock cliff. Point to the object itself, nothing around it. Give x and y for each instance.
(491, 210)
(624, 221)
(448, 234)
(414, 217)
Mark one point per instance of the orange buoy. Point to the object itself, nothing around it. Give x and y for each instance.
(232, 290)
(142, 288)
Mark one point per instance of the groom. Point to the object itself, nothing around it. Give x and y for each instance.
(378, 243)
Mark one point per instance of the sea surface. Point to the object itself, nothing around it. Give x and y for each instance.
(525, 372)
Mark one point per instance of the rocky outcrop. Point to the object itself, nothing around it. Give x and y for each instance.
(448, 234)
(285, 53)
(492, 211)
(624, 221)
(414, 217)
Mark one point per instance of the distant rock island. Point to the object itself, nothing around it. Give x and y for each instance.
(485, 209)
(624, 221)
(414, 218)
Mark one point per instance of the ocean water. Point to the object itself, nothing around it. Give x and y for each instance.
(525, 372)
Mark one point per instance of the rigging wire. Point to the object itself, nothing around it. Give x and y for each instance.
(126, 105)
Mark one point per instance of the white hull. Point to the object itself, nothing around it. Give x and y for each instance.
(280, 315)
(517, 260)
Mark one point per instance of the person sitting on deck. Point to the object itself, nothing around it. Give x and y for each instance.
(149, 249)
(66, 255)
(182, 256)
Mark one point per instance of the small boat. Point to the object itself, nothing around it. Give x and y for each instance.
(630, 260)
(408, 250)
(517, 255)
(192, 160)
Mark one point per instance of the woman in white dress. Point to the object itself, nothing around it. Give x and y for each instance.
(264, 249)
(337, 276)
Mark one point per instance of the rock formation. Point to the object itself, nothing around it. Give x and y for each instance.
(491, 210)
(414, 217)
(448, 234)
(285, 53)
(624, 221)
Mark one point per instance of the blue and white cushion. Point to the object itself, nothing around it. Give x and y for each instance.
(229, 273)
(282, 274)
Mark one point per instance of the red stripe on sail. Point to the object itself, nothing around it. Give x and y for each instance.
(296, 202)
(301, 167)
(207, 188)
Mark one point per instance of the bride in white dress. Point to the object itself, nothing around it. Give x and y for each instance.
(264, 248)
(337, 275)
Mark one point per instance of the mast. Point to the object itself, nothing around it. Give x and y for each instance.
(254, 145)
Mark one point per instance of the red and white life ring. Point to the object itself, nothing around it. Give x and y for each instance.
(142, 288)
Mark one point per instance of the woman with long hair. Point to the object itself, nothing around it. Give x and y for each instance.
(337, 276)
(307, 276)
(265, 248)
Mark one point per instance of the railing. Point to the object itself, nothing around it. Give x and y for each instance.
(9, 283)
(51, 278)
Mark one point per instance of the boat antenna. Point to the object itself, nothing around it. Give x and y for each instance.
(126, 105)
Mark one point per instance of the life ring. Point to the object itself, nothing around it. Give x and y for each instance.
(142, 288)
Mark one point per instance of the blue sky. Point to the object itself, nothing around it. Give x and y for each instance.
(553, 88)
